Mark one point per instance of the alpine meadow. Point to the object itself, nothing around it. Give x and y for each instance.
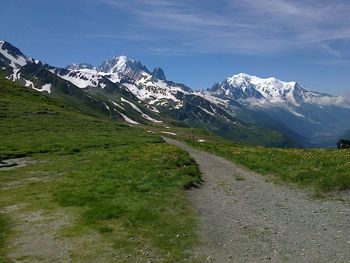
(147, 131)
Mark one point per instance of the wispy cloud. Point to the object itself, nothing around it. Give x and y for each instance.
(243, 26)
(332, 62)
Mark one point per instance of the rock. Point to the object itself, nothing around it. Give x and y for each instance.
(209, 258)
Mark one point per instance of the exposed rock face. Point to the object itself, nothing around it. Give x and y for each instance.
(158, 73)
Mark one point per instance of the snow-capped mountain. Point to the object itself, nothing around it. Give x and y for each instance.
(318, 117)
(253, 90)
(152, 88)
(12, 61)
(123, 67)
(72, 86)
(12, 56)
(124, 89)
(77, 66)
(242, 107)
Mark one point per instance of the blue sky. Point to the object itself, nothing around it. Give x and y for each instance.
(197, 42)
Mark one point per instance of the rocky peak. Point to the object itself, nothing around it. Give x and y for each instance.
(158, 73)
(79, 66)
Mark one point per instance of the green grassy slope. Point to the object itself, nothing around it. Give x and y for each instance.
(119, 188)
(323, 169)
(232, 128)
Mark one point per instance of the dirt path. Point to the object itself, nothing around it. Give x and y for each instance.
(247, 219)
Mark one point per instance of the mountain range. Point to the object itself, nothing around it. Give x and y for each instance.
(243, 108)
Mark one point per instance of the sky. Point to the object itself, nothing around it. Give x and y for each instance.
(196, 42)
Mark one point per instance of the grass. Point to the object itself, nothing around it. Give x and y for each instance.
(323, 169)
(4, 231)
(121, 188)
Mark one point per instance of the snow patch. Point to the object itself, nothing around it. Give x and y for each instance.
(83, 78)
(295, 113)
(179, 105)
(116, 104)
(210, 113)
(15, 61)
(46, 87)
(170, 133)
(15, 75)
(107, 107)
(154, 91)
(127, 119)
(154, 109)
(145, 116)
(28, 83)
(214, 100)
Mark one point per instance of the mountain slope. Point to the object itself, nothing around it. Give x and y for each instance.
(180, 102)
(122, 88)
(85, 173)
(73, 87)
(318, 118)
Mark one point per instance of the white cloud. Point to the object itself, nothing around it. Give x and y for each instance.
(244, 26)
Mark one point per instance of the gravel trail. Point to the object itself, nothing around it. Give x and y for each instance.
(245, 218)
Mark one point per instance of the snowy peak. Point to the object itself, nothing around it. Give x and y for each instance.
(76, 66)
(272, 89)
(159, 73)
(264, 91)
(12, 56)
(125, 66)
(268, 84)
